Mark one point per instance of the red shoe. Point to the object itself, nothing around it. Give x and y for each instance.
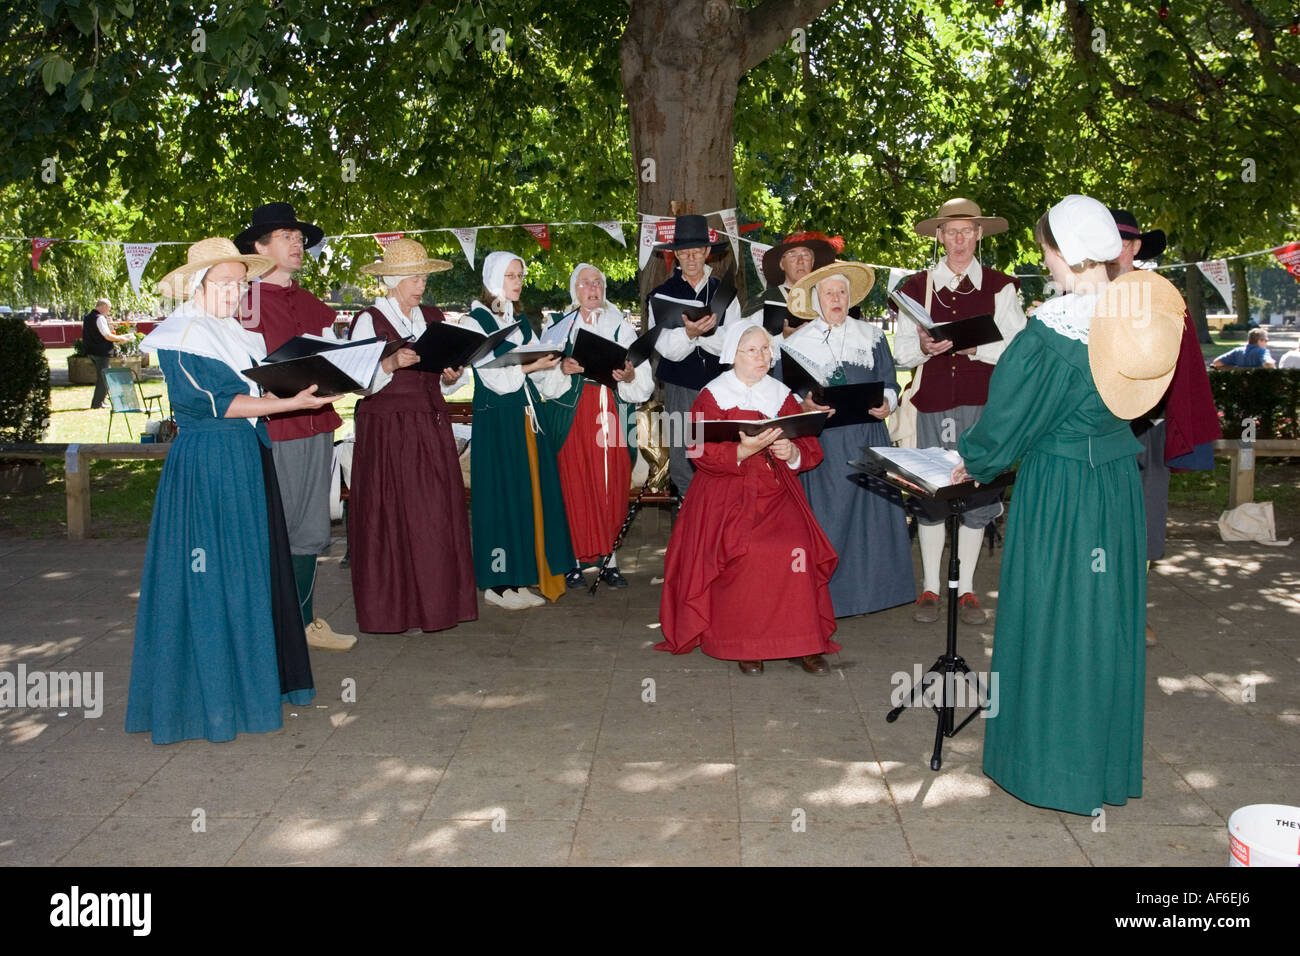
(970, 610)
(927, 608)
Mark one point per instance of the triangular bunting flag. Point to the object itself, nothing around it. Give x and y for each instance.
(384, 238)
(664, 229)
(39, 245)
(896, 276)
(756, 251)
(468, 239)
(316, 250)
(1217, 272)
(729, 220)
(646, 244)
(137, 257)
(615, 230)
(541, 232)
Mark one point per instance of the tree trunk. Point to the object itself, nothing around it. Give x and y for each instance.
(1196, 299)
(682, 61)
(1240, 290)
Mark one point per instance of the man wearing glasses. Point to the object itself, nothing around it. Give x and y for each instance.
(302, 442)
(954, 387)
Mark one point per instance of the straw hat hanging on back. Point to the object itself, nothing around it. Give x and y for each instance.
(1133, 342)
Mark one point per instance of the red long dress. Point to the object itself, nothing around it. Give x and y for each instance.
(748, 566)
(595, 474)
(411, 559)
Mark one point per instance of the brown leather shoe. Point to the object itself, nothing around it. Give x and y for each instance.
(813, 664)
(750, 667)
(970, 610)
(926, 610)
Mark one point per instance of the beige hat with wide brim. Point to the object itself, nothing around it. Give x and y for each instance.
(861, 279)
(1133, 343)
(205, 254)
(961, 209)
(405, 257)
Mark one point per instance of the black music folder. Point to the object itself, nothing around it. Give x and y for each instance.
(964, 333)
(852, 403)
(802, 425)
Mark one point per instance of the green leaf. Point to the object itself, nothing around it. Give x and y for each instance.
(84, 18)
(55, 72)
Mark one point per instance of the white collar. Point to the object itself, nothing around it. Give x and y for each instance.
(766, 397)
(821, 348)
(1069, 315)
(190, 328)
(944, 276)
(404, 325)
(708, 271)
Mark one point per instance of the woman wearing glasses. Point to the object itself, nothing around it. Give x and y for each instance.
(219, 641)
(865, 522)
(746, 574)
(596, 456)
(517, 520)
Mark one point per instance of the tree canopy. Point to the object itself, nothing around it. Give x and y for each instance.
(151, 120)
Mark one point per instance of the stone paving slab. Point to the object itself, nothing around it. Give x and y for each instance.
(559, 736)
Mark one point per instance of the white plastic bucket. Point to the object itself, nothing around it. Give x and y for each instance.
(1264, 834)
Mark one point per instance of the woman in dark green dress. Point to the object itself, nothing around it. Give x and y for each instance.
(1068, 653)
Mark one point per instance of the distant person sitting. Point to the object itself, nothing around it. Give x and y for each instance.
(1290, 359)
(1254, 354)
(99, 339)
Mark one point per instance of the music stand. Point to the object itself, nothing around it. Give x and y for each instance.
(949, 664)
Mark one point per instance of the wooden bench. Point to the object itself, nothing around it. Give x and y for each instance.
(76, 459)
(1241, 467)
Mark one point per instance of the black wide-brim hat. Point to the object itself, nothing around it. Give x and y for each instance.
(273, 216)
(822, 246)
(1153, 242)
(691, 232)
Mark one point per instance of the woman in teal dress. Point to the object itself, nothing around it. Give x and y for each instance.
(219, 644)
(517, 519)
(1068, 651)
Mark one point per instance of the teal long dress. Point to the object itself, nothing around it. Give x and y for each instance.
(206, 660)
(512, 499)
(1069, 652)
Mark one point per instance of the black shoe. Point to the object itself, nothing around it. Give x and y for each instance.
(612, 578)
(574, 580)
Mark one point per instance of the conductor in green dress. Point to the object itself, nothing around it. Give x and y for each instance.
(1068, 649)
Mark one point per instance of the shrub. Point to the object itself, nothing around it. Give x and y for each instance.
(1271, 396)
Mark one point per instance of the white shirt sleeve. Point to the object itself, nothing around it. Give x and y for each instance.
(642, 387)
(907, 344)
(101, 323)
(506, 380)
(551, 382)
(365, 329)
(1010, 320)
(457, 385)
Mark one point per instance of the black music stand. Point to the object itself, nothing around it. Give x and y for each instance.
(949, 664)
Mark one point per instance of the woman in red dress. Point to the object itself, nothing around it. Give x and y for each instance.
(746, 574)
(409, 532)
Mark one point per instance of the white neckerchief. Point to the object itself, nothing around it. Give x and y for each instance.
(191, 329)
(1069, 315)
(821, 348)
(945, 278)
(766, 397)
(407, 326)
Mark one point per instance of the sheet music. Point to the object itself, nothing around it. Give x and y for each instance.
(933, 465)
(912, 309)
(357, 362)
(558, 334)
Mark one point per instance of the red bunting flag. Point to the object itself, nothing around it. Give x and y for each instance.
(1288, 258)
(39, 245)
(384, 238)
(665, 229)
(541, 232)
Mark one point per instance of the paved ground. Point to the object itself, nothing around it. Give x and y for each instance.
(527, 737)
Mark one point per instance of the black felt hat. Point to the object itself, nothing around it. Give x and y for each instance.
(691, 232)
(273, 216)
(1153, 242)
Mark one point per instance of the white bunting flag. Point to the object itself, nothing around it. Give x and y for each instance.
(137, 257)
(615, 230)
(649, 234)
(729, 221)
(316, 250)
(896, 276)
(757, 250)
(468, 239)
(1216, 271)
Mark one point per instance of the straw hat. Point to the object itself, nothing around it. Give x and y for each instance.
(1133, 344)
(861, 279)
(961, 209)
(203, 255)
(405, 257)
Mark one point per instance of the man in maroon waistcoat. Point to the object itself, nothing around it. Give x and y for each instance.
(954, 386)
(302, 442)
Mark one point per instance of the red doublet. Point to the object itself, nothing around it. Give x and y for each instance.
(748, 566)
(951, 380)
(278, 313)
(595, 474)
